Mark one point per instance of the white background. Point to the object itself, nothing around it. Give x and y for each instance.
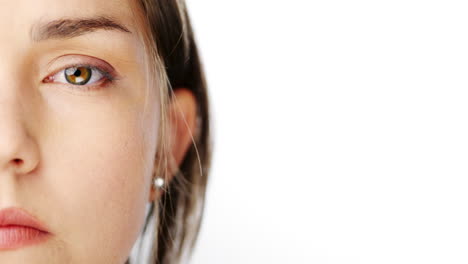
(340, 131)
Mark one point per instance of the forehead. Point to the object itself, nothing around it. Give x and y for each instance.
(18, 16)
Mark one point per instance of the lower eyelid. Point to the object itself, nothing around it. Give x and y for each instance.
(86, 89)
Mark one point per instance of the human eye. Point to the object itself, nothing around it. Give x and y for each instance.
(82, 76)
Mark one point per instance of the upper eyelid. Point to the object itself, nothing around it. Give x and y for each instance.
(88, 61)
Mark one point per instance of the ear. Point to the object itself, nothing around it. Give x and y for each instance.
(182, 121)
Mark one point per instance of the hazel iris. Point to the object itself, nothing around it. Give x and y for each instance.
(78, 75)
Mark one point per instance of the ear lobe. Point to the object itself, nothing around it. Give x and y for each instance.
(182, 117)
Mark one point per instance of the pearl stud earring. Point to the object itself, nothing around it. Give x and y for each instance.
(158, 182)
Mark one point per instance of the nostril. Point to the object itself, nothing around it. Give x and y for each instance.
(18, 161)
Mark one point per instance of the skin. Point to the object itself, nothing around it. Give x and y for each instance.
(80, 161)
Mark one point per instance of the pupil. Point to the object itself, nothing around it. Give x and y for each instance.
(77, 73)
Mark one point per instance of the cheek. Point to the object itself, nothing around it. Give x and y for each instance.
(97, 168)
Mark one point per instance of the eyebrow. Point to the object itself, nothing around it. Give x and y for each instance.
(73, 27)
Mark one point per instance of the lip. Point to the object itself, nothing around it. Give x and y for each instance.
(19, 228)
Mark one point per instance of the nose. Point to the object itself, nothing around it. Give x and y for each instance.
(19, 152)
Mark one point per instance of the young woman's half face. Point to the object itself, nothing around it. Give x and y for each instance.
(78, 128)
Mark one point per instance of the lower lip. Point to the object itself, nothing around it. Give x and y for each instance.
(12, 237)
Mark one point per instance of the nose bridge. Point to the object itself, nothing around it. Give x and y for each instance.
(18, 115)
(18, 148)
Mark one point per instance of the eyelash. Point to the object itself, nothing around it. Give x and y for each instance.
(108, 77)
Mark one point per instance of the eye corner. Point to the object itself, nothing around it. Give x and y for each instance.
(48, 79)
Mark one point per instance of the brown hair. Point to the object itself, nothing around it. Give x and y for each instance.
(178, 213)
